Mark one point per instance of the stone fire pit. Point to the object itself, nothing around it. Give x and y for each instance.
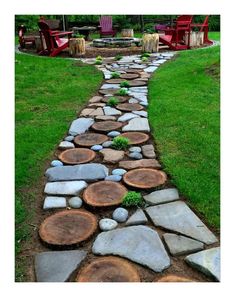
(116, 42)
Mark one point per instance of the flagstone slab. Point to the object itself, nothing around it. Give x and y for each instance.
(95, 99)
(64, 145)
(150, 69)
(106, 118)
(112, 156)
(144, 163)
(111, 111)
(87, 172)
(137, 124)
(148, 151)
(86, 111)
(127, 116)
(207, 261)
(139, 244)
(141, 113)
(65, 188)
(177, 216)
(97, 112)
(162, 196)
(80, 125)
(57, 266)
(179, 245)
(110, 86)
(54, 202)
(138, 218)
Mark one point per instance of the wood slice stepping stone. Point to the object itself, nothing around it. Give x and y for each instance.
(90, 139)
(104, 193)
(106, 126)
(137, 83)
(130, 75)
(133, 70)
(136, 137)
(121, 99)
(77, 156)
(108, 91)
(109, 269)
(115, 81)
(68, 227)
(144, 178)
(129, 107)
(173, 279)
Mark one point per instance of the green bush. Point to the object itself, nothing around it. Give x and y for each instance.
(118, 57)
(115, 74)
(120, 143)
(132, 198)
(112, 101)
(125, 84)
(122, 92)
(145, 55)
(144, 59)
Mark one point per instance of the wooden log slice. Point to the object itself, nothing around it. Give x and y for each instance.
(121, 99)
(104, 193)
(129, 75)
(173, 279)
(136, 137)
(89, 139)
(68, 227)
(114, 81)
(109, 269)
(108, 91)
(130, 70)
(77, 156)
(144, 178)
(106, 126)
(129, 107)
(137, 83)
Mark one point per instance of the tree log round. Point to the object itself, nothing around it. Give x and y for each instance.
(77, 46)
(77, 156)
(144, 178)
(104, 193)
(106, 126)
(129, 75)
(68, 227)
(129, 107)
(137, 83)
(108, 91)
(173, 279)
(109, 269)
(121, 99)
(90, 139)
(127, 33)
(136, 137)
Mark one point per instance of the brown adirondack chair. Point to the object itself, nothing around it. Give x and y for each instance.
(106, 26)
(204, 27)
(54, 40)
(174, 36)
(25, 40)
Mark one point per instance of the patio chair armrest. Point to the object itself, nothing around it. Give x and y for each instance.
(58, 33)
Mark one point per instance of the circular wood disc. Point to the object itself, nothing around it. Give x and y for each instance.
(121, 99)
(109, 269)
(77, 156)
(106, 126)
(137, 83)
(144, 178)
(114, 81)
(173, 279)
(133, 70)
(129, 107)
(129, 75)
(104, 193)
(136, 137)
(89, 139)
(68, 227)
(108, 91)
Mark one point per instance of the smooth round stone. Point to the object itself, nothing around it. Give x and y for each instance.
(75, 202)
(113, 133)
(120, 214)
(107, 224)
(136, 156)
(56, 163)
(69, 138)
(114, 177)
(119, 171)
(97, 147)
(107, 144)
(135, 149)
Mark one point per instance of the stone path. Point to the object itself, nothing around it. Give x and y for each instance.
(147, 240)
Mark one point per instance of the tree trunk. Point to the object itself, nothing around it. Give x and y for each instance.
(150, 43)
(77, 46)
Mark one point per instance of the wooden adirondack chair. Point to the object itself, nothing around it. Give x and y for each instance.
(106, 26)
(204, 27)
(53, 41)
(25, 40)
(174, 36)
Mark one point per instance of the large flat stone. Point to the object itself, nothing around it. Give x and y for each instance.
(141, 113)
(148, 151)
(54, 202)
(87, 172)
(110, 111)
(179, 245)
(177, 216)
(110, 86)
(57, 266)
(65, 188)
(162, 196)
(144, 163)
(138, 218)
(112, 156)
(140, 244)
(127, 116)
(207, 262)
(80, 126)
(137, 124)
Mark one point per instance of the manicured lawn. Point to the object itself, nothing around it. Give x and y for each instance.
(184, 115)
(49, 91)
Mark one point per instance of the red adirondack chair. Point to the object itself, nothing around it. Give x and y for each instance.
(204, 27)
(25, 40)
(106, 26)
(175, 36)
(53, 41)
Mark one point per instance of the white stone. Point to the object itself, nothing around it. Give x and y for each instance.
(54, 202)
(150, 69)
(162, 196)
(80, 125)
(65, 188)
(138, 218)
(127, 116)
(141, 113)
(110, 111)
(107, 224)
(137, 124)
(66, 145)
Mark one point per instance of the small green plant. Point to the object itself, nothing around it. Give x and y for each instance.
(145, 55)
(125, 84)
(118, 57)
(115, 74)
(112, 101)
(144, 59)
(98, 60)
(120, 143)
(122, 92)
(132, 198)
(77, 35)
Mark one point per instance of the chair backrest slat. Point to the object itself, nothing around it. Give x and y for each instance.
(106, 23)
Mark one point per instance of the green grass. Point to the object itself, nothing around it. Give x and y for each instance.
(48, 93)
(184, 114)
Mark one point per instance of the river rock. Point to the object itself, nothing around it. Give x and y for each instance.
(120, 214)
(56, 163)
(135, 149)
(75, 202)
(107, 224)
(119, 171)
(114, 177)
(148, 151)
(64, 145)
(137, 156)
(113, 133)
(97, 147)
(107, 144)
(69, 138)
